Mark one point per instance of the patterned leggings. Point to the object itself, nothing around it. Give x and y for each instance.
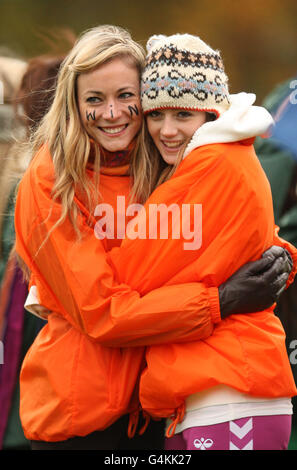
(252, 433)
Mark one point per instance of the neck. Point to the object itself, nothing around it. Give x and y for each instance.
(115, 159)
(115, 163)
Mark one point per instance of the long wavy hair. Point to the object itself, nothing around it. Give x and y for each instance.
(62, 130)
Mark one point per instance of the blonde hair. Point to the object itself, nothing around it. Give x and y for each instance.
(61, 128)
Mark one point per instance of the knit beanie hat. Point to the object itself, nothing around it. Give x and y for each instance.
(182, 71)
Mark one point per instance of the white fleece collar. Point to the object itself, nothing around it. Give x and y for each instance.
(241, 121)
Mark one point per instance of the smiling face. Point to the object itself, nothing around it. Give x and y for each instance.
(171, 129)
(109, 103)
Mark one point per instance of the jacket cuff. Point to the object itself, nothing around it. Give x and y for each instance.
(214, 302)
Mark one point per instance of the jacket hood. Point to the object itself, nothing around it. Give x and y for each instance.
(241, 121)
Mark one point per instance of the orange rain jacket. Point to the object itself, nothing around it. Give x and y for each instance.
(81, 371)
(246, 352)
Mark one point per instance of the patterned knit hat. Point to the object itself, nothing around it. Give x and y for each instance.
(182, 71)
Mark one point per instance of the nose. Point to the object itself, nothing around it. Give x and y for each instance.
(111, 111)
(168, 128)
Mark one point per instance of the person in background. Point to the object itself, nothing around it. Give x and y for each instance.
(18, 329)
(278, 160)
(11, 72)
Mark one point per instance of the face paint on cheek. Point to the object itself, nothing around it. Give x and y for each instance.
(90, 115)
(133, 109)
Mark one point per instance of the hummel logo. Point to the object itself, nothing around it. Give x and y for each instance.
(202, 443)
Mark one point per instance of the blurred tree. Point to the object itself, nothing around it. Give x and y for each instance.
(257, 39)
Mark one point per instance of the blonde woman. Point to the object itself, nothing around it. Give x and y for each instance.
(79, 380)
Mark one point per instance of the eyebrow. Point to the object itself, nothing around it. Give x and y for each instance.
(120, 90)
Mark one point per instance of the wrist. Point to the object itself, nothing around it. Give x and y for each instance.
(214, 300)
(225, 304)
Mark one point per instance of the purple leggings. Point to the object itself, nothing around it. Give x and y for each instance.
(253, 433)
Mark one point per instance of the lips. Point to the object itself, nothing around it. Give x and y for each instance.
(172, 145)
(112, 130)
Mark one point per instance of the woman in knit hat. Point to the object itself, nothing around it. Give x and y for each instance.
(79, 381)
(233, 389)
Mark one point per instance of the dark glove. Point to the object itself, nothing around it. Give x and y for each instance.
(256, 285)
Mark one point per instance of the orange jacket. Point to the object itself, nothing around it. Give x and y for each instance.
(76, 377)
(246, 352)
